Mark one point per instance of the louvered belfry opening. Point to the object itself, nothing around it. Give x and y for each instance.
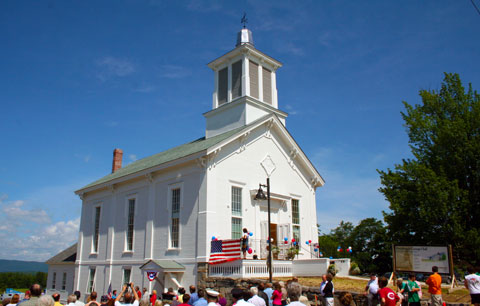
(236, 79)
(253, 71)
(222, 86)
(267, 85)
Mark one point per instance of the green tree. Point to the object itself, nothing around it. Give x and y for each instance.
(435, 196)
(342, 233)
(371, 248)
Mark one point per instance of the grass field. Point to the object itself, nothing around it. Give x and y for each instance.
(459, 295)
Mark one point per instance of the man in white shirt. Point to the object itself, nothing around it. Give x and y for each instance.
(129, 300)
(71, 299)
(238, 297)
(472, 283)
(212, 297)
(371, 290)
(255, 299)
(78, 302)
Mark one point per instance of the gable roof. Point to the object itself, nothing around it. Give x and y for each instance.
(166, 156)
(66, 256)
(201, 144)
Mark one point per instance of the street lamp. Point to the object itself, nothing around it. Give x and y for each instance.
(261, 196)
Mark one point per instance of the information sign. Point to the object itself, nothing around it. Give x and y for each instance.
(421, 258)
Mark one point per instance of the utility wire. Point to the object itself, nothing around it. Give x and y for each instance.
(475, 6)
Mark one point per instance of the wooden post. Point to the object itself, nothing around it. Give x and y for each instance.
(394, 266)
(450, 265)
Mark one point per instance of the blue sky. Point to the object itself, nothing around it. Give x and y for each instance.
(80, 78)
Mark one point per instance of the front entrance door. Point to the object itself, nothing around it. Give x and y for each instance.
(273, 232)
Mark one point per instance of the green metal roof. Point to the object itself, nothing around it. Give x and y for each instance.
(167, 156)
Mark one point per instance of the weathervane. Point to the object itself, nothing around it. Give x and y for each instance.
(244, 20)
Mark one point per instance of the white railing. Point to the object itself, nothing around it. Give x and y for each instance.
(281, 268)
(250, 268)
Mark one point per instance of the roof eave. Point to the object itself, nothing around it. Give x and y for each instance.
(142, 172)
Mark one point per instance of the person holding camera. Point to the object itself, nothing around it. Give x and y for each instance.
(129, 299)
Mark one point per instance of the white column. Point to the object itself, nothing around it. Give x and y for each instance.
(245, 77)
(274, 90)
(260, 82)
(229, 92)
(215, 91)
(149, 226)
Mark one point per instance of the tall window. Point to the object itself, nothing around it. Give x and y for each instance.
(222, 86)
(267, 85)
(236, 212)
(64, 280)
(91, 280)
(96, 229)
(130, 225)
(236, 79)
(253, 71)
(126, 276)
(54, 280)
(175, 228)
(296, 220)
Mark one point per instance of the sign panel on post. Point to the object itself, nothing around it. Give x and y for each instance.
(421, 258)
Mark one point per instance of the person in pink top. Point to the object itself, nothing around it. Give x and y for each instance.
(277, 295)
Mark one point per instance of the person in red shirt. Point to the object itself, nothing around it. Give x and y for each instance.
(387, 296)
(153, 297)
(138, 292)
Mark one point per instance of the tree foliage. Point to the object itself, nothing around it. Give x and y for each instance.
(368, 239)
(21, 280)
(435, 196)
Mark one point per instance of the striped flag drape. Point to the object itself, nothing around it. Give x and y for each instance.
(224, 250)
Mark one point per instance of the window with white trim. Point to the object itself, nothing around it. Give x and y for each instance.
(96, 229)
(175, 225)
(236, 203)
(130, 224)
(54, 280)
(91, 280)
(64, 280)
(296, 220)
(126, 275)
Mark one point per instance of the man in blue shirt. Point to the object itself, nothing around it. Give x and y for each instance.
(201, 299)
(269, 291)
(193, 295)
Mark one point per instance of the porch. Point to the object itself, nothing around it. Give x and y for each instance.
(281, 268)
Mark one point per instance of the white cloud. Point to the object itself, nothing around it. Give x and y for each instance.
(114, 67)
(85, 158)
(174, 72)
(15, 211)
(132, 157)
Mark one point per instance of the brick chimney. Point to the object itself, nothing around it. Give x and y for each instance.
(117, 159)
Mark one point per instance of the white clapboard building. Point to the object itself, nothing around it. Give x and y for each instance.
(161, 212)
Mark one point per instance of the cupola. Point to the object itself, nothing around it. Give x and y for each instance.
(245, 87)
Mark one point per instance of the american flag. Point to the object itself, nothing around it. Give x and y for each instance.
(109, 292)
(224, 250)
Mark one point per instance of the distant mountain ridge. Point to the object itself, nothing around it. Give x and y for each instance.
(7, 265)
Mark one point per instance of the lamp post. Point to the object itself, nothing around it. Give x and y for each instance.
(261, 196)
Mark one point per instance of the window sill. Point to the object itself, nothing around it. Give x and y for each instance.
(174, 249)
(127, 252)
(93, 253)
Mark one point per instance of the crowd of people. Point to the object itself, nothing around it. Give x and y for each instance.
(408, 293)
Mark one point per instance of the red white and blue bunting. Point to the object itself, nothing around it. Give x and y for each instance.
(151, 275)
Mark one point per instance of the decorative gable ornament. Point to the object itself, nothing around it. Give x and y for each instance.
(268, 165)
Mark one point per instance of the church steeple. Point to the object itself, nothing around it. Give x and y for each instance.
(245, 80)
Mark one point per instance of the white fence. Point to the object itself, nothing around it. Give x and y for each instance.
(281, 268)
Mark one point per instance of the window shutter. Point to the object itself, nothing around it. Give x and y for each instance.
(222, 86)
(253, 71)
(267, 85)
(236, 79)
